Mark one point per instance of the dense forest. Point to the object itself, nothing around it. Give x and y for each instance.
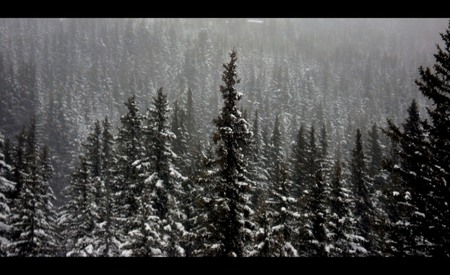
(224, 137)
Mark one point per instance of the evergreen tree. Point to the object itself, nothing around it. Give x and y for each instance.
(83, 214)
(32, 215)
(144, 239)
(362, 193)
(279, 215)
(434, 84)
(228, 221)
(310, 190)
(181, 141)
(6, 187)
(77, 216)
(258, 161)
(104, 232)
(275, 154)
(340, 216)
(127, 185)
(190, 115)
(165, 180)
(375, 152)
(412, 233)
(299, 162)
(318, 214)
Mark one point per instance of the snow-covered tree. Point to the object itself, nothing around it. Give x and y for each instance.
(228, 218)
(106, 243)
(165, 180)
(434, 84)
(411, 200)
(6, 187)
(340, 220)
(362, 190)
(32, 217)
(279, 215)
(127, 185)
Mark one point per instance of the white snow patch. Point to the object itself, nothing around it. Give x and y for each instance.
(174, 173)
(419, 214)
(159, 184)
(296, 214)
(257, 21)
(89, 249)
(150, 179)
(395, 193)
(278, 227)
(127, 253)
(292, 200)
(407, 195)
(215, 246)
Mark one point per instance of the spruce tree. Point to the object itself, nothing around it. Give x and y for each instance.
(227, 228)
(434, 84)
(127, 185)
(411, 203)
(340, 216)
(32, 215)
(279, 216)
(374, 150)
(165, 180)
(104, 232)
(77, 217)
(6, 187)
(362, 189)
(258, 161)
(299, 162)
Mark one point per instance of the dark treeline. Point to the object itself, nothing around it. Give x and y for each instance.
(273, 171)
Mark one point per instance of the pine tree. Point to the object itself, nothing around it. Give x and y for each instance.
(276, 153)
(299, 162)
(77, 216)
(145, 238)
(6, 187)
(258, 161)
(279, 215)
(414, 190)
(340, 216)
(362, 193)
(180, 144)
(190, 115)
(229, 203)
(377, 177)
(104, 232)
(82, 215)
(434, 84)
(166, 180)
(32, 215)
(318, 214)
(127, 185)
(307, 157)
(374, 151)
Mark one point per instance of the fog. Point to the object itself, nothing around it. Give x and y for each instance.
(335, 74)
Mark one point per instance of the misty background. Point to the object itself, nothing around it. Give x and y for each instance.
(343, 73)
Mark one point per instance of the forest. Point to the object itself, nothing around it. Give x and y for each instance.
(217, 137)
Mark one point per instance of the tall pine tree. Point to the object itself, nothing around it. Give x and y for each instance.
(6, 187)
(32, 215)
(434, 84)
(362, 189)
(227, 229)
